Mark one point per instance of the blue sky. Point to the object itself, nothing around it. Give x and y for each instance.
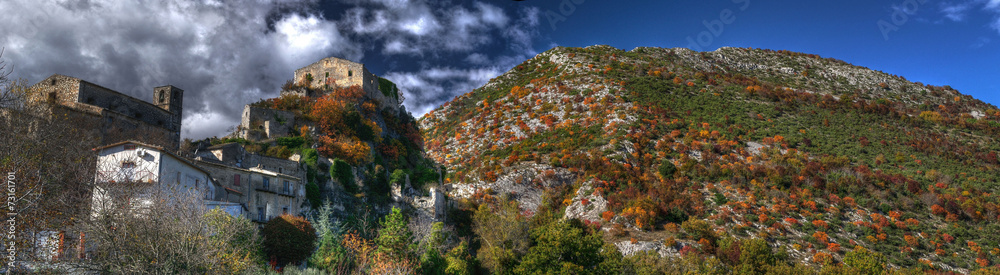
(226, 54)
(942, 43)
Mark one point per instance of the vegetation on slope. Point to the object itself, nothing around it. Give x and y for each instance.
(813, 155)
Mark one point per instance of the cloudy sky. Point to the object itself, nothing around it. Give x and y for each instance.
(225, 54)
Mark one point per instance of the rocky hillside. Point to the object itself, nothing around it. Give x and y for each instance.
(814, 155)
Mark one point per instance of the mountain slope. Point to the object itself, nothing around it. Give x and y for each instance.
(815, 155)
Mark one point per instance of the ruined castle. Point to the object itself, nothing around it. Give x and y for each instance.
(116, 116)
(315, 80)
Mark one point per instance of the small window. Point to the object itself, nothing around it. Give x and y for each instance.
(90, 100)
(284, 210)
(261, 214)
(267, 183)
(287, 188)
(163, 96)
(53, 82)
(52, 97)
(350, 73)
(236, 180)
(138, 115)
(279, 170)
(129, 147)
(128, 164)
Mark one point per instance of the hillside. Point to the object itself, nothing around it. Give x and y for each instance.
(814, 155)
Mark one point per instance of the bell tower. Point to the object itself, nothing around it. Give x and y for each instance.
(170, 98)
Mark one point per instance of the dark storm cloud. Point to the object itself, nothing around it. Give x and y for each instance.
(226, 54)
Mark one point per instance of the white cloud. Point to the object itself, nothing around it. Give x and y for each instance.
(955, 12)
(426, 89)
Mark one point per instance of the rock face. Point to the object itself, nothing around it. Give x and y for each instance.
(586, 205)
(628, 248)
(524, 183)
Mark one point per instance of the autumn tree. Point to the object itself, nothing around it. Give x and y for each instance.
(288, 239)
(46, 154)
(503, 232)
(139, 227)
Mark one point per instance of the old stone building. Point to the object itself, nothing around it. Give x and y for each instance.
(264, 124)
(260, 124)
(335, 72)
(120, 117)
(266, 186)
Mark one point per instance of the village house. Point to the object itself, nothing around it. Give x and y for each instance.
(268, 187)
(132, 162)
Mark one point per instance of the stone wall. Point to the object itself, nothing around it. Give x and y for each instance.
(263, 124)
(336, 72)
(121, 117)
(230, 177)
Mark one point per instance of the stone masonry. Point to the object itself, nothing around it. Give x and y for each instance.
(117, 113)
(336, 72)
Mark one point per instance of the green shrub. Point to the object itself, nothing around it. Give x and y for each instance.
(398, 177)
(291, 142)
(341, 172)
(667, 169)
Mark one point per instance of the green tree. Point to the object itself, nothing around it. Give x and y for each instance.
(330, 254)
(749, 256)
(237, 242)
(565, 247)
(503, 233)
(394, 238)
(866, 261)
(459, 261)
(431, 261)
(288, 239)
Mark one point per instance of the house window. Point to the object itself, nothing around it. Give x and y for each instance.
(128, 169)
(284, 210)
(129, 147)
(267, 183)
(162, 96)
(350, 73)
(261, 214)
(279, 170)
(287, 188)
(236, 180)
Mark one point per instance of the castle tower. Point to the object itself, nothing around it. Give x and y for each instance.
(170, 98)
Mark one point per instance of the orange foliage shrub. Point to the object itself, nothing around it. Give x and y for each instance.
(821, 237)
(350, 149)
(833, 247)
(607, 215)
(822, 258)
(911, 241)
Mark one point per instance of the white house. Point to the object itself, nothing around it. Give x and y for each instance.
(131, 162)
